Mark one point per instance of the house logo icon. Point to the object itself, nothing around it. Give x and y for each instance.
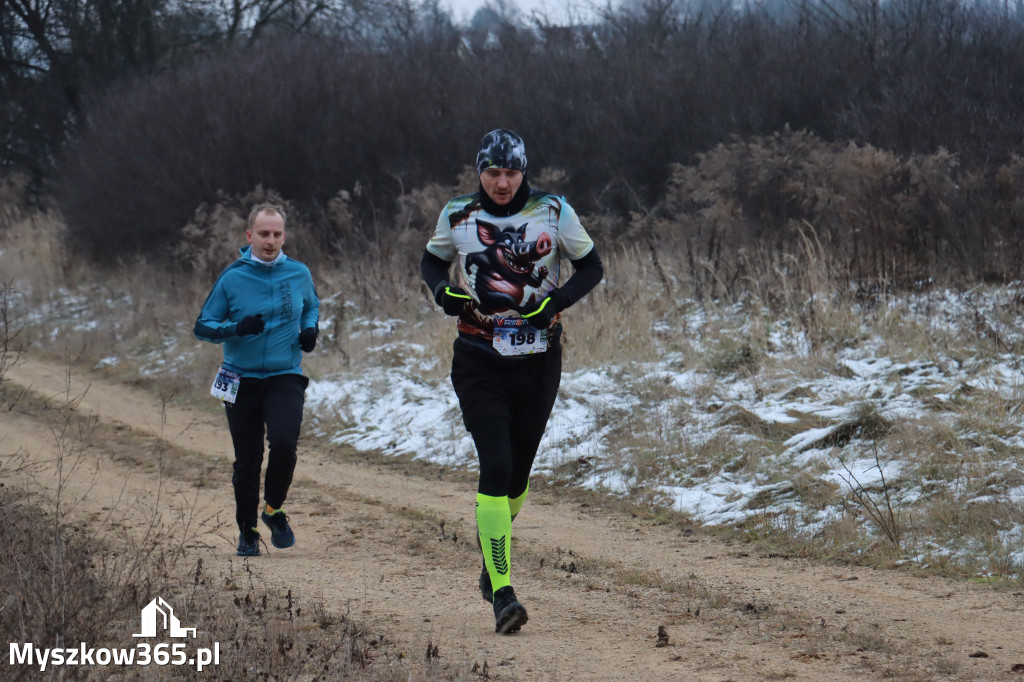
(157, 614)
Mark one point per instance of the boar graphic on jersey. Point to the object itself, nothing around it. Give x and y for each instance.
(505, 267)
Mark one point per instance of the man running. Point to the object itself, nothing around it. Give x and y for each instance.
(507, 241)
(264, 309)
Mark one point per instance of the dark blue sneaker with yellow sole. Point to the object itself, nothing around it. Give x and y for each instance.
(281, 534)
(249, 542)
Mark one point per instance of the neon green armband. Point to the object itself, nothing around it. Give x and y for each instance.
(448, 292)
(543, 305)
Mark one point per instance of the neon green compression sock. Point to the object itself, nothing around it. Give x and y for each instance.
(494, 526)
(516, 503)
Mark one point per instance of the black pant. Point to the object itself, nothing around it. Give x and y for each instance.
(505, 406)
(275, 402)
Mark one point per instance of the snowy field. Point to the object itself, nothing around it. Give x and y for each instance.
(789, 423)
(914, 408)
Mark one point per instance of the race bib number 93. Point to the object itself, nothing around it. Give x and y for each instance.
(225, 385)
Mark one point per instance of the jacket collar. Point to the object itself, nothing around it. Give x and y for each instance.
(245, 254)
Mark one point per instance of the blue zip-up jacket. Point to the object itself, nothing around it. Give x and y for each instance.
(283, 293)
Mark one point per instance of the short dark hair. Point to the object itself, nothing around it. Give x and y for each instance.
(260, 208)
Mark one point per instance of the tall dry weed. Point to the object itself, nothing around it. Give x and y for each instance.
(619, 318)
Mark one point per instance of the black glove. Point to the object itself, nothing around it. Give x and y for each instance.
(307, 339)
(250, 325)
(452, 299)
(540, 314)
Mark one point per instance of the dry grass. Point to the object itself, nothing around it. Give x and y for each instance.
(68, 585)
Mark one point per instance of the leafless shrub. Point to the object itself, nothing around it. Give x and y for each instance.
(880, 510)
(11, 347)
(792, 214)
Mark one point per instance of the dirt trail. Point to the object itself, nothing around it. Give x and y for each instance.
(597, 584)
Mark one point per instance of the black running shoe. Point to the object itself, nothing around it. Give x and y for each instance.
(485, 585)
(249, 543)
(281, 534)
(509, 614)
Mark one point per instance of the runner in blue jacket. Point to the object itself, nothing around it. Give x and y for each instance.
(265, 310)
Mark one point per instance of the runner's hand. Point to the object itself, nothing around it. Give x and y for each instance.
(307, 339)
(452, 299)
(541, 313)
(250, 325)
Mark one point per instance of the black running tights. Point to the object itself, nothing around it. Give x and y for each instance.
(276, 403)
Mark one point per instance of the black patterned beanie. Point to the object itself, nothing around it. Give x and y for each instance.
(501, 148)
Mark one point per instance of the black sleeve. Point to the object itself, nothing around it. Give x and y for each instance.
(434, 271)
(588, 273)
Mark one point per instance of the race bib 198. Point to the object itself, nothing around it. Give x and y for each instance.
(515, 336)
(225, 385)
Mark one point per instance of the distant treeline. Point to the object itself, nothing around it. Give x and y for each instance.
(330, 102)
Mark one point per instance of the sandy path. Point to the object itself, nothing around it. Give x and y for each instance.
(371, 541)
